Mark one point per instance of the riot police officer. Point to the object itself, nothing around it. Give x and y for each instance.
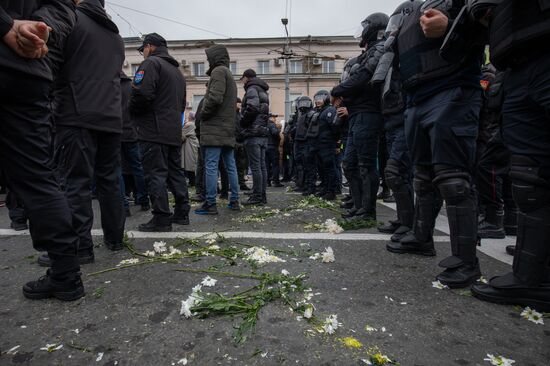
(157, 103)
(362, 100)
(304, 106)
(443, 105)
(518, 31)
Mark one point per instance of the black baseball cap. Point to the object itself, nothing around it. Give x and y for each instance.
(249, 74)
(152, 39)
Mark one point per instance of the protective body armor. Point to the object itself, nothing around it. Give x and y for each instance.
(302, 125)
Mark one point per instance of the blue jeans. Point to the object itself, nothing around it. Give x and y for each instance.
(212, 159)
(255, 149)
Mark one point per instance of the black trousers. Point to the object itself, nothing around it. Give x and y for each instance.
(162, 167)
(242, 163)
(82, 155)
(272, 164)
(26, 159)
(16, 211)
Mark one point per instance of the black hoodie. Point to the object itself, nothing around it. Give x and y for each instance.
(255, 109)
(158, 99)
(57, 14)
(87, 92)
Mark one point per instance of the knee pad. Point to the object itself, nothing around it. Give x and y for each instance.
(453, 184)
(394, 177)
(423, 181)
(530, 191)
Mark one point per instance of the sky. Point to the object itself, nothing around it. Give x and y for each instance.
(207, 19)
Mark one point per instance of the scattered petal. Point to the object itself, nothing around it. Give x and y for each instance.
(209, 282)
(438, 285)
(182, 361)
(13, 350)
(351, 342)
(532, 315)
(99, 356)
(499, 360)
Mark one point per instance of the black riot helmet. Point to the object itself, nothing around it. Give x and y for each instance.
(322, 95)
(304, 103)
(372, 28)
(399, 15)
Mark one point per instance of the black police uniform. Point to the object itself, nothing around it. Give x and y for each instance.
(299, 138)
(443, 105)
(88, 119)
(272, 154)
(25, 144)
(362, 100)
(157, 103)
(518, 35)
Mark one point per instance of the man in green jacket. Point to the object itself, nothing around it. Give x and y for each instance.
(218, 129)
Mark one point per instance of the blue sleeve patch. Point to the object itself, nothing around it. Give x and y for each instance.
(138, 78)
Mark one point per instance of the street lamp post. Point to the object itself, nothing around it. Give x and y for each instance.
(286, 55)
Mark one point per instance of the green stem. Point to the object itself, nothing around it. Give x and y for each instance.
(225, 274)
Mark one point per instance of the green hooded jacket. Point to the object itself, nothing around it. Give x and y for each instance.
(218, 111)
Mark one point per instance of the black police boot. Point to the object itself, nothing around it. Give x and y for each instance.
(321, 193)
(69, 289)
(492, 226)
(462, 267)
(329, 196)
(420, 240)
(511, 221)
(370, 182)
(390, 227)
(234, 206)
(349, 213)
(277, 185)
(114, 247)
(347, 204)
(19, 225)
(157, 224)
(356, 188)
(400, 233)
(529, 283)
(362, 215)
(180, 216)
(83, 258)
(511, 250)
(198, 198)
(145, 206)
(244, 187)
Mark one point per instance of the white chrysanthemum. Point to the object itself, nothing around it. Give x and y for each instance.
(332, 227)
(191, 301)
(214, 247)
(331, 324)
(261, 255)
(438, 285)
(52, 347)
(284, 272)
(150, 253)
(211, 241)
(160, 247)
(532, 315)
(126, 262)
(308, 313)
(316, 256)
(499, 360)
(209, 282)
(328, 255)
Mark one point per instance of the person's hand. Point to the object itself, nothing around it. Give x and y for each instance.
(28, 38)
(342, 112)
(434, 23)
(336, 102)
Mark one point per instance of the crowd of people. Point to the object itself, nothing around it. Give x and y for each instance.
(448, 102)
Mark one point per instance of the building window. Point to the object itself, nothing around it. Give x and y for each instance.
(198, 68)
(295, 66)
(329, 67)
(263, 67)
(196, 100)
(233, 67)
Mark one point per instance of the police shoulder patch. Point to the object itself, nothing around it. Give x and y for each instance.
(138, 78)
(329, 114)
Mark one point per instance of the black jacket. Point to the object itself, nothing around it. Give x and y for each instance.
(274, 137)
(359, 94)
(129, 133)
(158, 99)
(255, 109)
(87, 89)
(57, 14)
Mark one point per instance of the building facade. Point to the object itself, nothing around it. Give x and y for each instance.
(316, 63)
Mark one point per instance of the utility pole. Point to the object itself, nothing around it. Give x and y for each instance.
(286, 55)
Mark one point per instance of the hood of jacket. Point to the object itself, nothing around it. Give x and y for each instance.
(217, 55)
(162, 52)
(257, 82)
(95, 10)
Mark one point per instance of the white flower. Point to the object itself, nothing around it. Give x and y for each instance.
(126, 262)
(159, 247)
(183, 361)
(211, 241)
(370, 329)
(308, 313)
(191, 301)
(13, 350)
(52, 347)
(331, 324)
(99, 356)
(174, 251)
(332, 227)
(209, 282)
(284, 272)
(328, 255)
(532, 315)
(498, 360)
(149, 253)
(214, 247)
(483, 280)
(439, 285)
(261, 255)
(304, 245)
(316, 256)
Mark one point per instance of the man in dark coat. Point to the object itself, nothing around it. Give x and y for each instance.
(218, 129)
(88, 118)
(254, 117)
(27, 71)
(157, 104)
